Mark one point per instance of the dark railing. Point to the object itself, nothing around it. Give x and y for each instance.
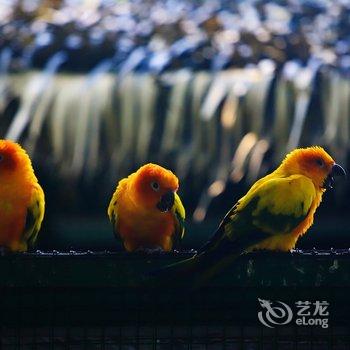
(89, 298)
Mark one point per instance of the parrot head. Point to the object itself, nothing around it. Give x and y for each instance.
(12, 159)
(315, 163)
(156, 187)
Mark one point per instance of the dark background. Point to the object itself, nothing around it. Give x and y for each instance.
(250, 81)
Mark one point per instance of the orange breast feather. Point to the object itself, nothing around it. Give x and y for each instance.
(139, 227)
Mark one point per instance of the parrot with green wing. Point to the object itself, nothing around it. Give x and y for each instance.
(277, 210)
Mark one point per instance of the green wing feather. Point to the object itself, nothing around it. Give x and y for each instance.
(180, 215)
(35, 215)
(113, 218)
(276, 206)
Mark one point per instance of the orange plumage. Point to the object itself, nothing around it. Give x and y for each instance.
(21, 198)
(146, 211)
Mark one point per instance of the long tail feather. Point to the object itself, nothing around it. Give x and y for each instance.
(194, 272)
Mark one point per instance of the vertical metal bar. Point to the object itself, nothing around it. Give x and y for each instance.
(224, 338)
(103, 337)
(171, 325)
(67, 341)
(190, 336)
(295, 338)
(120, 337)
(261, 342)
(34, 342)
(330, 338)
(155, 337)
(85, 342)
(241, 338)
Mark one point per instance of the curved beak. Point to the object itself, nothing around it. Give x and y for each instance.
(337, 170)
(166, 202)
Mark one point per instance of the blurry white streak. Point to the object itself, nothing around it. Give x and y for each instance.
(229, 112)
(133, 60)
(5, 60)
(256, 159)
(35, 90)
(219, 178)
(193, 156)
(62, 116)
(101, 93)
(147, 99)
(216, 94)
(332, 107)
(38, 117)
(86, 117)
(128, 123)
(283, 97)
(302, 82)
(171, 138)
(240, 157)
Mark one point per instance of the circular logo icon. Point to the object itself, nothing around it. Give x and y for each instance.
(274, 313)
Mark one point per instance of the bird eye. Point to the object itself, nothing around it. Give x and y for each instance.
(155, 185)
(320, 162)
(1, 157)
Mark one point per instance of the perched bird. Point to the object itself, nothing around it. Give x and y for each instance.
(145, 210)
(22, 200)
(276, 211)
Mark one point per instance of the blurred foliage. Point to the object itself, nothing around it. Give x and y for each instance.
(217, 91)
(217, 132)
(156, 35)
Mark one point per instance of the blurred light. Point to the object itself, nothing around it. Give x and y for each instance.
(110, 23)
(262, 35)
(303, 78)
(228, 114)
(199, 214)
(73, 41)
(159, 60)
(290, 69)
(30, 5)
(38, 26)
(261, 147)
(245, 50)
(267, 66)
(345, 62)
(240, 88)
(44, 39)
(216, 188)
(243, 149)
(96, 36)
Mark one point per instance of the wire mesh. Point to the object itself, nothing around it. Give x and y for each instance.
(165, 337)
(58, 314)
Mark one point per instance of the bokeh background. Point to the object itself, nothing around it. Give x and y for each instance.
(217, 91)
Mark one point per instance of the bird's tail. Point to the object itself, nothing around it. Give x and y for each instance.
(194, 272)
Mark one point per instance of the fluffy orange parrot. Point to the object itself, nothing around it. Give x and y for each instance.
(145, 210)
(276, 211)
(22, 202)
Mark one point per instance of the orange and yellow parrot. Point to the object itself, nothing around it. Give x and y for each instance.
(276, 211)
(145, 210)
(22, 201)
